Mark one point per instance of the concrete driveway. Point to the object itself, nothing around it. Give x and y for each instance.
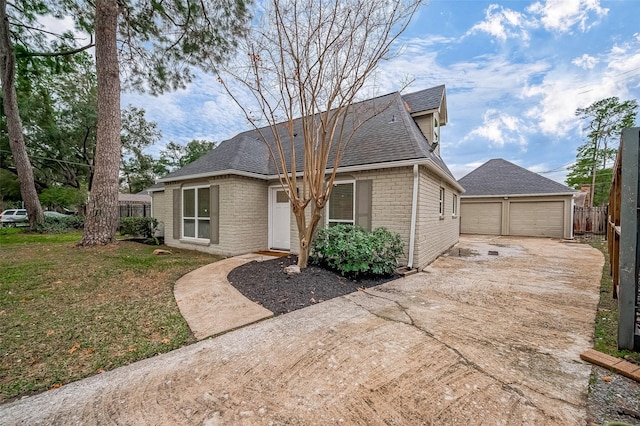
(475, 339)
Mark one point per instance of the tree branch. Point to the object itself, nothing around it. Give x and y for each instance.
(56, 54)
(28, 27)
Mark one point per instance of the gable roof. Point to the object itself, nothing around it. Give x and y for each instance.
(424, 100)
(387, 134)
(500, 177)
(434, 98)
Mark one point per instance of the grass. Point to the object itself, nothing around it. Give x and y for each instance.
(606, 329)
(67, 313)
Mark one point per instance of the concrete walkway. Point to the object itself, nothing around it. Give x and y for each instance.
(474, 339)
(211, 305)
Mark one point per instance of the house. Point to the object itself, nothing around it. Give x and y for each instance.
(502, 198)
(582, 198)
(230, 201)
(134, 204)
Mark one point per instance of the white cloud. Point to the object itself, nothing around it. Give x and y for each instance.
(500, 128)
(554, 114)
(623, 61)
(418, 64)
(562, 92)
(190, 113)
(557, 173)
(55, 25)
(461, 170)
(502, 23)
(413, 45)
(585, 61)
(553, 15)
(563, 15)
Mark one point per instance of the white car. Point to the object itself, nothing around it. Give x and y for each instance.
(14, 217)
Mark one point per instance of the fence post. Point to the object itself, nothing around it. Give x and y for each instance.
(628, 291)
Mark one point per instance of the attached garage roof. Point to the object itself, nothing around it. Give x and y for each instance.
(499, 177)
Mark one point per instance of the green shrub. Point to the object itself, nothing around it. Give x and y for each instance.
(352, 251)
(60, 225)
(138, 226)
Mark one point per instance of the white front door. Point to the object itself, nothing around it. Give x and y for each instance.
(280, 220)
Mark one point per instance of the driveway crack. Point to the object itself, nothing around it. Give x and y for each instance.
(462, 358)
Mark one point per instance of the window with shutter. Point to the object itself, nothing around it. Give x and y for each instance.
(196, 212)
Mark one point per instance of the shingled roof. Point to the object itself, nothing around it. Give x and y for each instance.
(389, 134)
(500, 177)
(424, 100)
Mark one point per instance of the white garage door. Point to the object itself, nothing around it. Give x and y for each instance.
(537, 219)
(481, 218)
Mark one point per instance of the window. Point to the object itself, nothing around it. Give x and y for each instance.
(195, 212)
(282, 197)
(441, 207)
(342, 204)
(455, 205)
(436, 130)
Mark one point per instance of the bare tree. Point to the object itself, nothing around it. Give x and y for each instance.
(305, 64)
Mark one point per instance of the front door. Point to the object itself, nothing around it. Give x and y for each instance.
(280, 220)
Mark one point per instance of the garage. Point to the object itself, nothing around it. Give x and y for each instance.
(502, 198)
(481, 218)
(537, 218)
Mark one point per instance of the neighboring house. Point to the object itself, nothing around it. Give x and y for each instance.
(134, 204)
(502, 198)
(230, 202)
(583, 196)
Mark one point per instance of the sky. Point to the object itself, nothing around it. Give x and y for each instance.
(515, 72)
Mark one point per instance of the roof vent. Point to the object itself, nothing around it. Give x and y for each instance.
(393, 119)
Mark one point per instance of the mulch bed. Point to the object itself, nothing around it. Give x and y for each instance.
(266, 283)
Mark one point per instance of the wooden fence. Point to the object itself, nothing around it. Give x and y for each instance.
(624, 238)
(590, 220)
(613, 227)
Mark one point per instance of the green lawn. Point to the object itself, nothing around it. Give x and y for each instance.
(606, 331)
(67, 313)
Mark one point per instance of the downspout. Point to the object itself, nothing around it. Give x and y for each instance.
(573, 204)
(414, 214)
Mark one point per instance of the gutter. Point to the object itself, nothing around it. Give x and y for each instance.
(212, 174)
(414, 214)
(551, 194)
(427, 162)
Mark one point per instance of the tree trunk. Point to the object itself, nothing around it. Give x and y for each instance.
(305, 233)
(593, 184)
(102, 218)
(14, 124)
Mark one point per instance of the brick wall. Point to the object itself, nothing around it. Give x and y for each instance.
(391, 203)
(434, 233)
(160, 205)
(243, 215)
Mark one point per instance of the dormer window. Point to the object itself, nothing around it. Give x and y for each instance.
(436, 130)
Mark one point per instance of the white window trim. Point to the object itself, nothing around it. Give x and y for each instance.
(441, 198)
(350, 222)
(454, 213)
(195, 218)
